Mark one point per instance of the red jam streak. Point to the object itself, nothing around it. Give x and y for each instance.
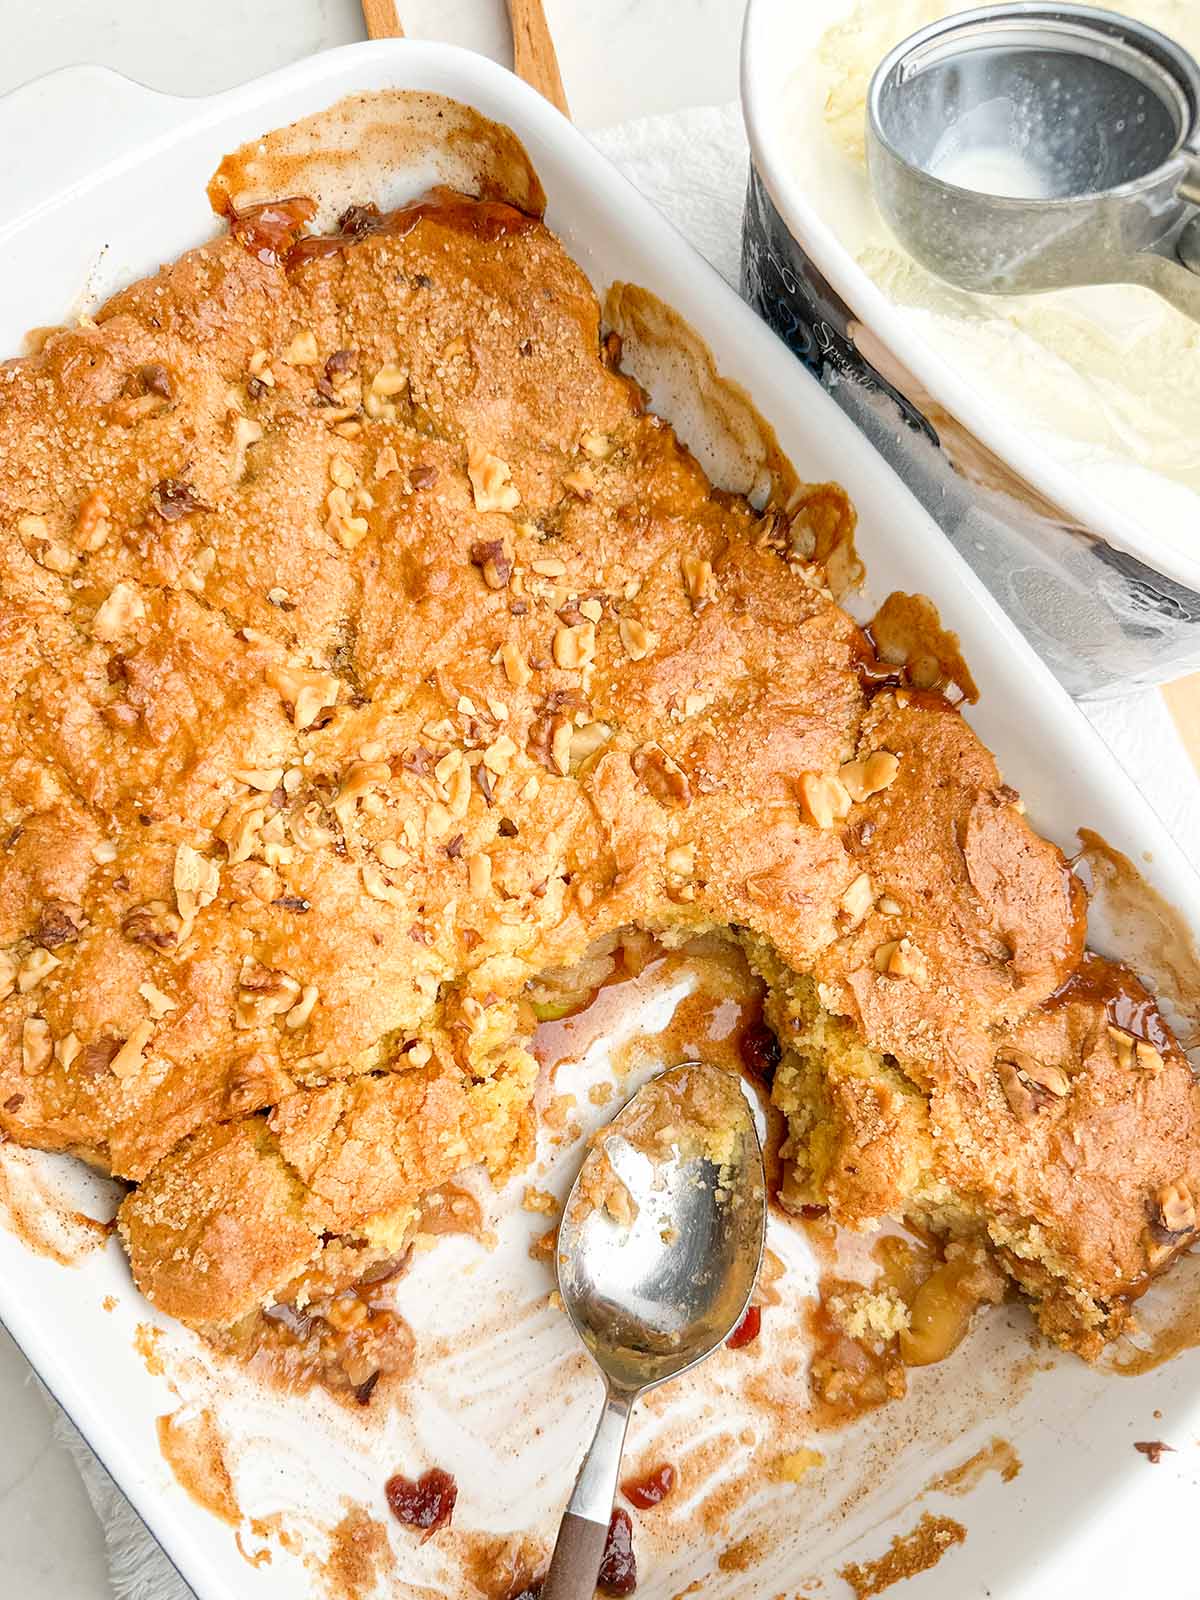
(650, 1491)
(426, 1502)
(618, 1568)
(747, 1330)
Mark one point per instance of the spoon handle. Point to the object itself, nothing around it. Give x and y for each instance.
(584, 1527)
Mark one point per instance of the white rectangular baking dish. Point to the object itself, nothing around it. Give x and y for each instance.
(117, 184)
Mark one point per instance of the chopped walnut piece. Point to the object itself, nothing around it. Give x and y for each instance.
(58, 923)
(92, 525)
(356, 780)
(493, 557)
(1176, 1207)
(823, 800)
(598, 445)
(118, 614)
(342, 524)
(386, 462)
(128, 1058)
(637, 640)
(1022, 1101)
(196, 881)
(586, 740)
(1124, 1044)
(388, 381)
(8, 974)
(516, 668)
(67, 1050)
(302, 351)
(549, 567)
(38, 964)
(158, 1002)
(900, 958)
(576, 646)
(174, 499)
(1028, 1083)
(37, 1047)
(306, 690)
(263, 993)
(378, 887)
(153, 924)
(1148, 1058)
(491, 481)
(498, 756)
(299, 1014)
(698, 580)
(479, 873)
(680, 860)
(246, 431)
(857, 900)
(870, 775)
(581, 481)
(662, 776)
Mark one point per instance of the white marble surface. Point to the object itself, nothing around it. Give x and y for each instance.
(619, 59)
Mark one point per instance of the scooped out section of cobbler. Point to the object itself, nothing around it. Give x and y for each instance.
(372, 650)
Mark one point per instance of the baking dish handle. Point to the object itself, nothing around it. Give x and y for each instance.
(89, 116)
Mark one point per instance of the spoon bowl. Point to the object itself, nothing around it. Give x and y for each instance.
(658, 1252)
(662, 1235)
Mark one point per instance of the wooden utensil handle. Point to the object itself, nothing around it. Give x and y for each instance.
(382, 19)
(533, 52)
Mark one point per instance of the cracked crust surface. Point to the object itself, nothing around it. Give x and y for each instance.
(372, 650)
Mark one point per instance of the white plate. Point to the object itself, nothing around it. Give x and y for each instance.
(101, 180)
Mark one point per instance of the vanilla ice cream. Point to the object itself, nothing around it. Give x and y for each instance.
(1106, 379)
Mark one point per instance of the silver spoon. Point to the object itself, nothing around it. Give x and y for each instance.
(658, 1252)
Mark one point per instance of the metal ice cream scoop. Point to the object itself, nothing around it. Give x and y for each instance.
(1023, 147)
(658, 1251)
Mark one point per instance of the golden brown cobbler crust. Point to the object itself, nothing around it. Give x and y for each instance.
(302, 776)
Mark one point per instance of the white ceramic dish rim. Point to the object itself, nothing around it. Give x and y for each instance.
(1025, 714)
(766, 66)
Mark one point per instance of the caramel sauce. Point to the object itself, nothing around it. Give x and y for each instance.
(269, 231)
(997, 1456)
(452, 1209)
(1127, 1004)
(908, 629)
(359, 1555)
(1158, 1344)
(487, 220)
(1155, 939)
(194, 1450)
(502, 1568)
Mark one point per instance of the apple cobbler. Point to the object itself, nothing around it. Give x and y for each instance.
(372, 650)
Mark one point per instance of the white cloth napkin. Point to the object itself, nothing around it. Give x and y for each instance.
(692, 164)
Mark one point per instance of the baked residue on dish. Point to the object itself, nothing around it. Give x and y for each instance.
(374, 651)
(192, 1447)
(908, 1554)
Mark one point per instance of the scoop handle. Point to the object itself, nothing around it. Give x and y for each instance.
(581, 1533)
